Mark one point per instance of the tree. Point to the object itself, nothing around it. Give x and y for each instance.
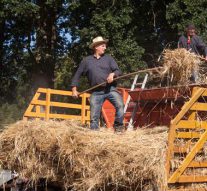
(180, 13)
(110, 19)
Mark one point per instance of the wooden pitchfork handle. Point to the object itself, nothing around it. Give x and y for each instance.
(124, 76)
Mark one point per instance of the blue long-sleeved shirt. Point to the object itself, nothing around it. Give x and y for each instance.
(96, 70)
(196, 45)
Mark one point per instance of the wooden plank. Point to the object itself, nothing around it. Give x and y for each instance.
(61, 116)
(188, 135)
(187, 106)
(30, 107)
(37, 111)
(34, 114)
(68, 105)
(187, 189)
(170, 151)
(83, 110)
(38, 102)
(195, 164)
(57, 116)
(28, 110)
(59, 92)
(191, 124)
(192, 115)
(60, 104)
(191, 179)
(204, 93)
(175, 176)
(199, 107)
(47, 110)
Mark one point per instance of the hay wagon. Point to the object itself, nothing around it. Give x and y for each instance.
(183, 110)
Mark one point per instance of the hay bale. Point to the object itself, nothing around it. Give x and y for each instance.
(180, 64)
(82, 159)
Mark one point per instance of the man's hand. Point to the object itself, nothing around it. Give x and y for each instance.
(110, 78)
(75, 92)
(206, 58)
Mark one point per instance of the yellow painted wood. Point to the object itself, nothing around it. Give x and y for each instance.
(38, 102)
(59, 92)
(187, 189)
(192, 115)
(68, 105)
(29, 109)
(205, 93)
(47, 110)
(34, 114)
(62, 116)
(59, 104)
(52, 91)
(83, 111)
(187, 106)
(191, 124)
(37, 111)
(199, 107)
(189, 110)
(191, 179)
(188, 158)
(195, 164)
(188, 135)
(170, 151)
(55, 116)
(30, 112)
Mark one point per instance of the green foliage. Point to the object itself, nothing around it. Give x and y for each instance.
(112, 20)
(9, 113)
(64, 73)
(180, 13)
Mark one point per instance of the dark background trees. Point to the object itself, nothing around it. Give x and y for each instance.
(43, 41)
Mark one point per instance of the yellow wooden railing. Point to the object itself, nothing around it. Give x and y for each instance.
(186, 142)
(41, 104)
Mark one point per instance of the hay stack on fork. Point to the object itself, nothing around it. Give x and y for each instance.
(180, 65)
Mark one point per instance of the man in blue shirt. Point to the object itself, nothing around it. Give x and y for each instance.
(99, 68)
(193, 43)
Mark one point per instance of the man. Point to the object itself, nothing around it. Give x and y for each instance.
(194, 44)
(99, 68)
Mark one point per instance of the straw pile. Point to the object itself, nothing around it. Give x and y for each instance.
(80, 159)
(180, 65)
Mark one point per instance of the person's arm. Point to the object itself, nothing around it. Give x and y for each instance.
(114, 67)
(202, 46)
(76, 78)
(110, 77)
(115, 70)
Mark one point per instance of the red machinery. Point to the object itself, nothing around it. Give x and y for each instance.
(156, 106)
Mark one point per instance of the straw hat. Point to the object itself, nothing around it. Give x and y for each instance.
(98, 40)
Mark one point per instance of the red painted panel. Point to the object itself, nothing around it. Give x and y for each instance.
(156, 106)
